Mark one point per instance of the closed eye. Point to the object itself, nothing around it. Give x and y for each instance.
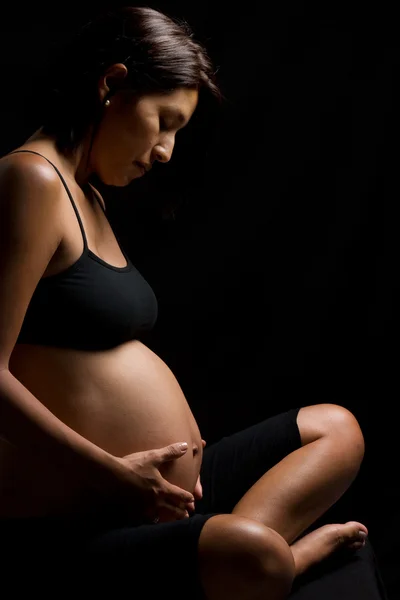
(163, 124)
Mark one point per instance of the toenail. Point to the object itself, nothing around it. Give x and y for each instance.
(362, 534)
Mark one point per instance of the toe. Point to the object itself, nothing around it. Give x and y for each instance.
(357, 526)
(355, 534)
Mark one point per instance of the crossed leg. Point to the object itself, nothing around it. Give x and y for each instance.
(280, 506)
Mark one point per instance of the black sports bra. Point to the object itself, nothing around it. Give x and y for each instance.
(92, 305)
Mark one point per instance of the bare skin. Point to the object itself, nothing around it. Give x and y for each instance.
(286, 501)
(241, 559)
(127, 400)
(315, 476)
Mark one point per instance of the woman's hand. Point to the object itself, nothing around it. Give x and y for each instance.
(140, 489)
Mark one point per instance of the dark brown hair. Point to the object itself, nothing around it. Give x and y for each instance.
(159, 52)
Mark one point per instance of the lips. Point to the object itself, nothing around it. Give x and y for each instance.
(145, 166)
(141, 167)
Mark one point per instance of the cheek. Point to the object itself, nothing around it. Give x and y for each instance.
(113, 162)
(113, 147)
(119, 142)
(143, 134)
(114, 134)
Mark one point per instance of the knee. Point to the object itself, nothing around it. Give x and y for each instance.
(338, 425)
(247, 551)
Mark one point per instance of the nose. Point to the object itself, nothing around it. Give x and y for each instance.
(163, 153)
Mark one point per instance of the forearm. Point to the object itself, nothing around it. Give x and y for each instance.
(27, 424)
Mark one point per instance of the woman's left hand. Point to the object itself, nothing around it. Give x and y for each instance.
(198, 490)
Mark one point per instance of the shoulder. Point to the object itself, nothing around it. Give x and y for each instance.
(30, 195)
(26, 171)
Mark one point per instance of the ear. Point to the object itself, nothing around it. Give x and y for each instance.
(111, 79)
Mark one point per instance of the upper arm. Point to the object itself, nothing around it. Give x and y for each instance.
(30, 232)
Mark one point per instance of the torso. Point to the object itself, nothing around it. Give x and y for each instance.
(124, 400)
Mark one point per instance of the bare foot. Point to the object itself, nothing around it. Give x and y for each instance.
(319, 544)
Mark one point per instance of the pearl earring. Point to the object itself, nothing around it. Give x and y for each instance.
(107, 103)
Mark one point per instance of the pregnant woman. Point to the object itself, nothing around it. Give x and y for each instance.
(93, 476)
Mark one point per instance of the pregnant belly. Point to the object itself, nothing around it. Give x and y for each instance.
(124, 400)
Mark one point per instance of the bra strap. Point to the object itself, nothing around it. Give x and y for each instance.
(67, 190)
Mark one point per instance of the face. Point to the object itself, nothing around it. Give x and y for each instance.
(139, 130)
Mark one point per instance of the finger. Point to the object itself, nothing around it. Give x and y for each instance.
(177, 495)
(165, 512)
(173, 513)
(171, 452)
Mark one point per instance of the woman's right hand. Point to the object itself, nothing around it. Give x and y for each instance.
(146, 494)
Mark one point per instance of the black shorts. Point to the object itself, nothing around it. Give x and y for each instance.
(42, 553)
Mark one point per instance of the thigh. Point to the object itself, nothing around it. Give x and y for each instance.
(233, 464)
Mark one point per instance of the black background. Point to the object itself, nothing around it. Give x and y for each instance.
(271, 238)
